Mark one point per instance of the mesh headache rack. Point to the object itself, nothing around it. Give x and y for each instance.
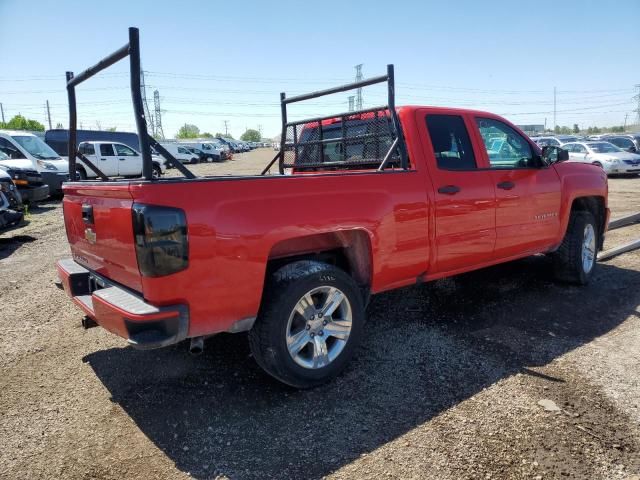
(132, 50)
(370, 138)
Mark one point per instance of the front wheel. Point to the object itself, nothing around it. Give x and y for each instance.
(157, 172)
(309, 325)
(575, 260)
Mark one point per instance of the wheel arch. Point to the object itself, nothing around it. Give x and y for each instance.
(349, 250)
(596, 206)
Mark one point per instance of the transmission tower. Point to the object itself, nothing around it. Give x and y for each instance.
(359, 91)
(147, 113)
(637, 98)
(157, 117)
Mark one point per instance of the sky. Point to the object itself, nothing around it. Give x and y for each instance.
(213, 61)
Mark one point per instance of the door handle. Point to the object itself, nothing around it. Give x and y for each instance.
(449, 189)
(103, 159)
(506, 185)
(122, 159)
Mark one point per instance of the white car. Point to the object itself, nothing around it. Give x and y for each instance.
(114, 160)
(28, 152)
(605, 155)
(181, 152)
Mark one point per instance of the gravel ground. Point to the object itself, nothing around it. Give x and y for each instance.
(500, 373)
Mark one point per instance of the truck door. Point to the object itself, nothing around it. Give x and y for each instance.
(463, 192)
(129, 161)
(106, 160)
(527, 191)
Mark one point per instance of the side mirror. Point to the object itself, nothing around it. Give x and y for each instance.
(633, 149)
(553, 154)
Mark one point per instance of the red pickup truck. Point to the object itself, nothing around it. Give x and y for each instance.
(364, 202)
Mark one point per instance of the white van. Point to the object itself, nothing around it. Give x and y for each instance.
(27, 151)
(180, 152)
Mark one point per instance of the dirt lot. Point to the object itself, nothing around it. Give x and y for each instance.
(446, 385)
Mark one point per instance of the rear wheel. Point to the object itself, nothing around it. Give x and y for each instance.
(157, 171)
(575, 260)
(310, 323)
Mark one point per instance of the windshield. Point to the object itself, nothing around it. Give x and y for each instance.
(36, 147)
(604, 147)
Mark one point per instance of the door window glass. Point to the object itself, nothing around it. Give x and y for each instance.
(124, 151)
(10, 149)
(579, 148)
(106, 150)
(451, 144)
(87, 149)
(506, 148)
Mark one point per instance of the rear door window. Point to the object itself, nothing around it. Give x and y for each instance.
(87, 149)
(451, 143)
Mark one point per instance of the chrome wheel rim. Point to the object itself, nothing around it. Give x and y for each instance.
(319, 327)
(588, 248)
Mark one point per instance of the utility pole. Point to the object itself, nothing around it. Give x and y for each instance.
(2, 112)
(260, 130)
(359, 91)
(351, 102)
(624, 128)
(49, 115)
(157, 115)
(554, 109)
(226, 128)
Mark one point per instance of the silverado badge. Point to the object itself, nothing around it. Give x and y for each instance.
(90, 235)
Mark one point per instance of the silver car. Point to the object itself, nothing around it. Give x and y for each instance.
(605, 155)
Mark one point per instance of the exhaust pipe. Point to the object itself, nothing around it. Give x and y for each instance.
(88, 322)
(197, 345)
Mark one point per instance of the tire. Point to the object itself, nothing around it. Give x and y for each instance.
(194, 160)
(157, 171)
(598, 164)
(571, 263)
(280, 324)
(81, 174)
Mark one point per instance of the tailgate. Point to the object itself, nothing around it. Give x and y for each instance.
(98, 220)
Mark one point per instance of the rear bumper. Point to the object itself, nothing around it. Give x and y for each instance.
(122, 312)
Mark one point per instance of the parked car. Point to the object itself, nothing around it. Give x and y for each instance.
(605, 155)
(629, 143)
(11, 208)
(212, 151)
(28, 182)
(114, 159)
(28, 152)
(181, 152)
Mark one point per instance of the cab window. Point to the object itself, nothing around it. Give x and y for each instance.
(87, 149)
(106, 150)
(124, 151)
(505, 147)
(451, 144)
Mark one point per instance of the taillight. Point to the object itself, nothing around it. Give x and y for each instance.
(161, 239)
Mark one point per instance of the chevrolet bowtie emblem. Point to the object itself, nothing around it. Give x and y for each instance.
(90, 235)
